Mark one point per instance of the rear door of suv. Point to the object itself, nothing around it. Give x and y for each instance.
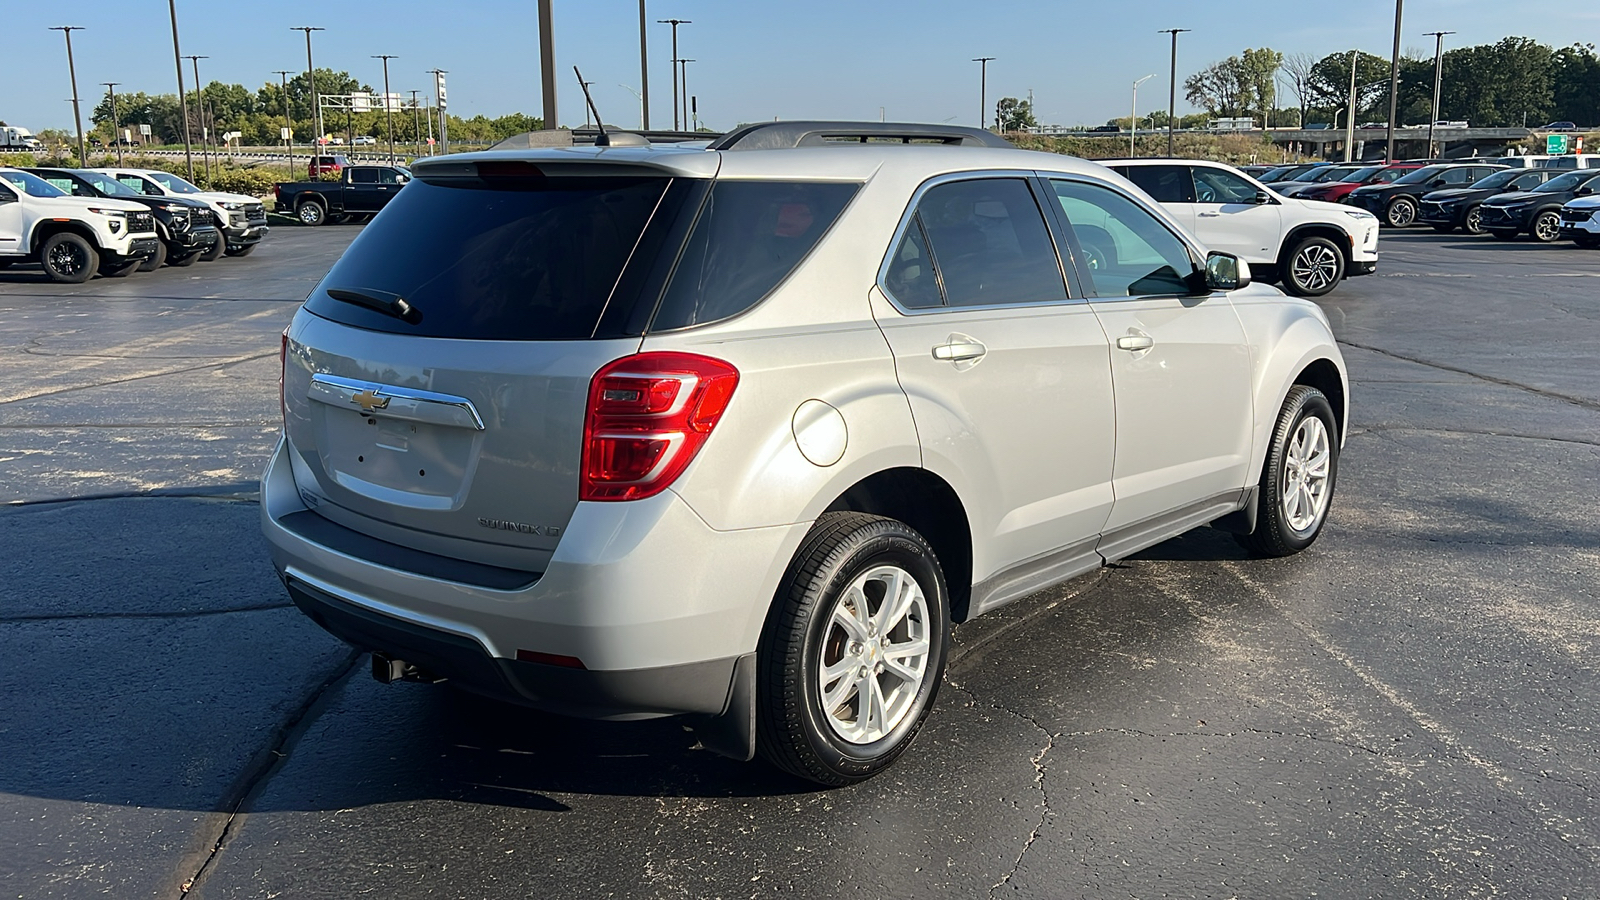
(1007, 370)
(1229, 216)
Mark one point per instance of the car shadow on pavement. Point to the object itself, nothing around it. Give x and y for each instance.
(1199, 545)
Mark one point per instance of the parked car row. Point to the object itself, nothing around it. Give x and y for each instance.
(1489, 198)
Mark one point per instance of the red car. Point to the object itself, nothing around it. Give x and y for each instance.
(1336, 191)
(320, 164)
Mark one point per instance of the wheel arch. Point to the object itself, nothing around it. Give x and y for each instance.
(46, 230)
(1341, 239)
(311, 197)
(928, 504)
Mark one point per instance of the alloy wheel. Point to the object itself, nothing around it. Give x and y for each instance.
(1402, 213)
(68, 259)
(1474, 221)
(1315, 267)
(875, 655)
(1306, 475)
(1547, 227)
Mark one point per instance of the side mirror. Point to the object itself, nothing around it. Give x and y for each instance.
(7, 197)
(1262, 198)
(1437, 182)
(1226, 272)
(1585, 191)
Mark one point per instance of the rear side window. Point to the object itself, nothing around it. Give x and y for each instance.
(513, 259)
(1165, 184)
(363, 176)
(749, 236)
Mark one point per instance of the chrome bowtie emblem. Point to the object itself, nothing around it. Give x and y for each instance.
(369, 401)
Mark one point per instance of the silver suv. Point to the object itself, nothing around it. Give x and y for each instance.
(738, 433)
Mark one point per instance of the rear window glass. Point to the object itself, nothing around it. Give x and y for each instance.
(532, 260)
(749, 236)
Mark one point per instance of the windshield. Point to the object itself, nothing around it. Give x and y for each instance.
(1360, 176)
(1501, 179)
(173, 183)
(1425, 173)
(1567, 182)
(32, 185)
(1272, 175)
(105, 184)
(1332, 173)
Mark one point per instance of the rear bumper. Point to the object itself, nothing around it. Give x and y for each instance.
(658, 607)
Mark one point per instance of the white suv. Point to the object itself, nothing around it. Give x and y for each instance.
(242, 219)
(72, 238)
(739, 433)
(1306, 245)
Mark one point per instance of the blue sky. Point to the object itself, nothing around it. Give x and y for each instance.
(755, 59)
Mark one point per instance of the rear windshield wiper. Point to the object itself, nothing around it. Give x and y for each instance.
(396, 306)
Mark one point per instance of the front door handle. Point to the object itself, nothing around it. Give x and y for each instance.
(1135, 342)
(1212, 215)
(958, 351)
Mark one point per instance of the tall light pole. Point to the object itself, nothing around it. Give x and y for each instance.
(311, 74)
(983, 89)
(72, 72)
(116, 125)
(388, 108)
(1394, 79)
(183, 100)
(683, 80)
(200, 102)
(1172, 93)
(547, 63)
(1350, 120)
(1438, 83)
(416, 122)
(1133, 120)
(288, 121)
(675, 23)
(644, 73)
(441, 104)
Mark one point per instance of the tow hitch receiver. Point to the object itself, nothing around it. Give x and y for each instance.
(387, 670)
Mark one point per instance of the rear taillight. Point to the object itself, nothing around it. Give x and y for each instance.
(648, 416)
(283, 365)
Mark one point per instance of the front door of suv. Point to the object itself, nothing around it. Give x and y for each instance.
(1229, 216)
(10, 223)
(1007, 372)
(1180, 363)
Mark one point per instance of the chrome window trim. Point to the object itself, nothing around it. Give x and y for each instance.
(906, 218)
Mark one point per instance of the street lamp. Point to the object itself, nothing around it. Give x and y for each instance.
(311, 73)
(1350, 120)
(288, 121)
(200, 102)
(416, 122)
(644, 105)
(1438, 83)
(983, 90)
(1172, 95)
(116, 126)
(183, 100)
(72, 71)
(675, 23)
(388, 109)
(1133, 120)
(644, 74)
(1394, 79)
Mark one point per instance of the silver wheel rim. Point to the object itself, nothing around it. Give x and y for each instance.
(1475, 222)
(1548, 227)
(1306, 470)
(67, 259)
(1315, 267)
(1402, 214)
(310, 213)
(874, 655)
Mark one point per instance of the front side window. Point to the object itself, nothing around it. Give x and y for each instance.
(1164, 184)
(363, 176)
(1127, 252)
(1456, 176)
(31, 184)
(990, 243)
(1219, 186)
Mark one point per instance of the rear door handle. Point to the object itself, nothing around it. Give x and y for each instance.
(1135, 342)
(957, 351)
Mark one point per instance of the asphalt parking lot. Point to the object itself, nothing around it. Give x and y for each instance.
(1406, 710)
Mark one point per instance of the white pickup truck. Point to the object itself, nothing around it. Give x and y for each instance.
(71, 237)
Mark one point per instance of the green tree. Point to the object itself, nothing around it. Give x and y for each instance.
(1258, 70)
(1328, 86)
(1011, 114)
(1499, 85)
(1577, 85)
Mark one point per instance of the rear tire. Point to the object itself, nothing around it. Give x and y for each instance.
(155, 262)
(863, 608)
(1295, 492)
(68, 258)
(1315, 267)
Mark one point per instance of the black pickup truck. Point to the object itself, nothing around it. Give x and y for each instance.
(360, 190)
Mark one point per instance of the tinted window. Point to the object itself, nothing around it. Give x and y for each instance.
(1166, 184)
(1389, 175)
(391, 176)
(363, 176)
(513, 259)
(105, 184)
(1220, 186)
(1426, 173)
(1567, 182)
(1503, 178)
(174, 184)
(911, 278)
(991, 243)
(1455, 176)
(1360, 176)
(31, 184)
(1127, 252)
(750, 235)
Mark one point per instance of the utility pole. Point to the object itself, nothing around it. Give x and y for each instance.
(1172, 93)
(416, 122)
(1394, 79)
(116, 125)
(72, 71)
(1438, 84)
(644, 73)
(1133, 120)
(683, 66)
(288, 121)
(440, 104)
(200, 101)
(675, 23)
(388, 108)
(983, 90)
(1350, 120)
(547, 62)
(311, 73)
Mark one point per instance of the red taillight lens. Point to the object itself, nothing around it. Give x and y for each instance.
(283, 364)
(648, 416)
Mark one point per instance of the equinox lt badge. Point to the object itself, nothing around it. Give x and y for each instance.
(503, 525)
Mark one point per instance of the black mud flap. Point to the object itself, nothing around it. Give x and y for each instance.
(733, 734)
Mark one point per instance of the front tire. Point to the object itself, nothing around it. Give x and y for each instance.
(1402, 211)
(853, 650)
(245, 250)
(1315, 267)
(1297, 481)
(311, 213)
(68, 258)
(155, 262)
(215, 251)
(1546, 227)
(1473, 223)
(120, 270)
(183, 262)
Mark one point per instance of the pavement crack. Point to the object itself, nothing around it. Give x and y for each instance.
(266, 763)
(1477, 432)
(189, 614)
(1265, 732)
(1504, 382)
(231, 361)
(247, 492)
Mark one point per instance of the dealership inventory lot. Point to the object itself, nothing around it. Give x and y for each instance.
(1404, 710)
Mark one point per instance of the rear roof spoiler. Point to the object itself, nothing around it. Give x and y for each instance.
(787, 135)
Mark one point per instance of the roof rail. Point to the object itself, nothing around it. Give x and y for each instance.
(786, 135)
